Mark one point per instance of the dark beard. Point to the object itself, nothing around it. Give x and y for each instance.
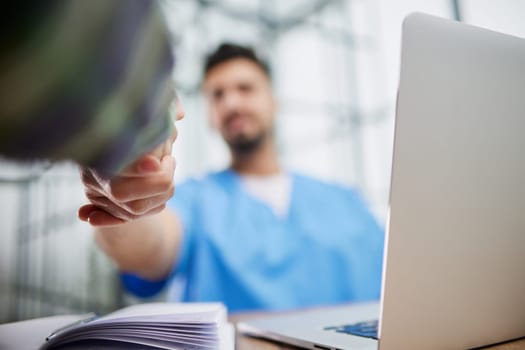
(247, 146)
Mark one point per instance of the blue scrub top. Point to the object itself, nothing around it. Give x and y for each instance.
(327, 250)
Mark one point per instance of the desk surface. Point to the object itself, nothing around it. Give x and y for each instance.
(249, 343)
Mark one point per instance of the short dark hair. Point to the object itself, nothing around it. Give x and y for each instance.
(229, 51)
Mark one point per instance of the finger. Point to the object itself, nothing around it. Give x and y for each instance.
(93, 191)
(128, 189)
(156, 210)
(117, 210)
(85, 210)
(91, 185)
(100, 218)
(145, 165)
(94, 182)
(143, 206)
(97, 216)
(88, 178)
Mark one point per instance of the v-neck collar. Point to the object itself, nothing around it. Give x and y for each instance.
(235, 182)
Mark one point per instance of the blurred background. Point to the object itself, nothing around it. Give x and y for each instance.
(335, 65)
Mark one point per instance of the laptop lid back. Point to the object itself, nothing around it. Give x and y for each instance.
(455, 256)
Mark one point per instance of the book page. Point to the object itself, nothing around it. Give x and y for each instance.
(169, 312)
(160, 325)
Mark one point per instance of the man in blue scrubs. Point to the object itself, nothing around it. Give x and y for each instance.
(253, 236)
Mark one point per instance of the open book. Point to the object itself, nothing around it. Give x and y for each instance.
(192, 326)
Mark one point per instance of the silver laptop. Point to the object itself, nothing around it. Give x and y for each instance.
(454, 267)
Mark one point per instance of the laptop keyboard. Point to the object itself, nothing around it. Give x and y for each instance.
(366, 329)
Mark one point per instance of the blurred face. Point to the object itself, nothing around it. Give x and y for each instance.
(241, 103)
